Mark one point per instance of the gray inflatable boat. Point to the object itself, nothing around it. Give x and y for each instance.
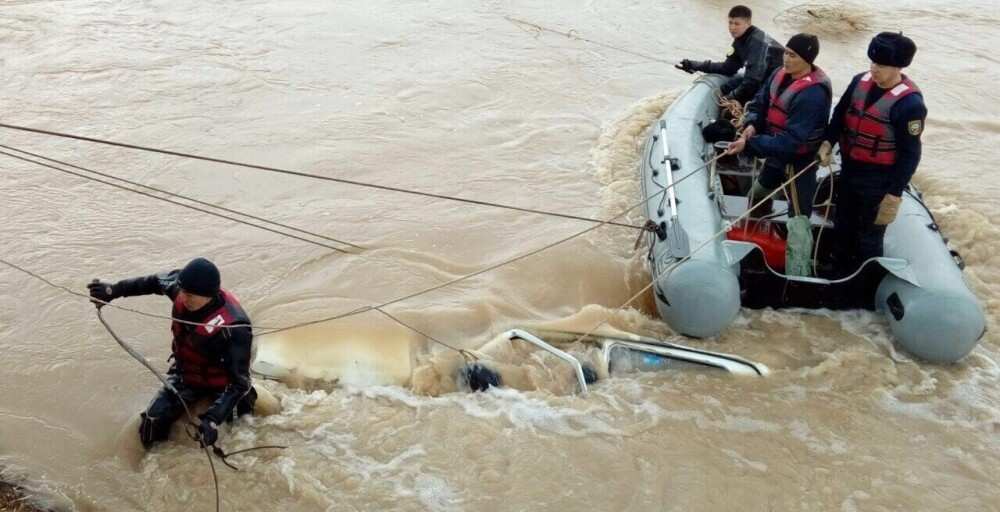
(704, 271)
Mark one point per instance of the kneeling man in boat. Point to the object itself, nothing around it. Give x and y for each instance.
(877, 122)
(785, 124)
(212, 348)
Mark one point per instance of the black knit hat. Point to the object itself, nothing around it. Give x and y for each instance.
(805, 45)
(200, 277)
(892, 49)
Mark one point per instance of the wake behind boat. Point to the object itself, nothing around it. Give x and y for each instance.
(702, 277)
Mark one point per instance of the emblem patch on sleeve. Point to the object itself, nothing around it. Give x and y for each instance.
(915, 127)
(731, 51)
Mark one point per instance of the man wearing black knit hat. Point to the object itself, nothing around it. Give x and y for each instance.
(211, 354)
(878, 123)
(785, 124)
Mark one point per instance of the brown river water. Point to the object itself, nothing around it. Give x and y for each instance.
(455, 99)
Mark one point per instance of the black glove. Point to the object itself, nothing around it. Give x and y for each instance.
(686, 65)
(101, 290)
(208, 432)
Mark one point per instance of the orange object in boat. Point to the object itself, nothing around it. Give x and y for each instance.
(764, 236)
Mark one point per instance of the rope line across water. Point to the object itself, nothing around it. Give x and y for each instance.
(202, 210)
(306, 175)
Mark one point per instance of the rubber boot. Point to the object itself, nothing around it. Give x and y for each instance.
(246, 404)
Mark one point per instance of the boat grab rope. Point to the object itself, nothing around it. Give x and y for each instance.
(733, 107)
(536, 30)
(677, 263)
(343, 181)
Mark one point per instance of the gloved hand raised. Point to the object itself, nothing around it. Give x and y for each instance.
(208, 431)
(887, 209)
(825, 153)
(102, 290)
(686, 65)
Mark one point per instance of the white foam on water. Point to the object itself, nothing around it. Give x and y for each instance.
(521, 410)
(785, 318)
(435, 493)
(286, 466)
(791, 393)
(799, 429)
(742, 461)
(850, 504)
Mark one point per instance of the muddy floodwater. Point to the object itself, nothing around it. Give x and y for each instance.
(456, 99)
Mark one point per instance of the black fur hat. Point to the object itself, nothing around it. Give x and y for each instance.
(892, 49)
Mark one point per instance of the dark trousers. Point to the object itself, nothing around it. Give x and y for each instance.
(167, 407)
(803, 188)
(856, 236)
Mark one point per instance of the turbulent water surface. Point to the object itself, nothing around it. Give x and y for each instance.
(456, 99)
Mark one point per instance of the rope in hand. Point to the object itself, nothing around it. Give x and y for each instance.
(536, 30)
(278, 170)
(677, 263)
(195, 436)
(142, 360)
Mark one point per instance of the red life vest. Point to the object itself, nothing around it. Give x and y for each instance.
(868, 134)
(777, 112)
(198, 350)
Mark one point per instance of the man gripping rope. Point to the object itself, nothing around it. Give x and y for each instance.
(209, 361)
(785, 124)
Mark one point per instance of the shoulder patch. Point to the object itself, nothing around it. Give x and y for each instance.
(915, 127)
(731, 51)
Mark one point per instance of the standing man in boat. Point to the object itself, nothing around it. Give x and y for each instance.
(877, 122)
(211, 354)
(753, 50)
(785, 124)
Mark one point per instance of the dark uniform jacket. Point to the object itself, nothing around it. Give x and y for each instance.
(230, 348)
(904, 114)
(806, 118)
(757, 53)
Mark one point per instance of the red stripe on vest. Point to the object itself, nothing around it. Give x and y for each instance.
(777, 112)
(868, 134)
(196, 366)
